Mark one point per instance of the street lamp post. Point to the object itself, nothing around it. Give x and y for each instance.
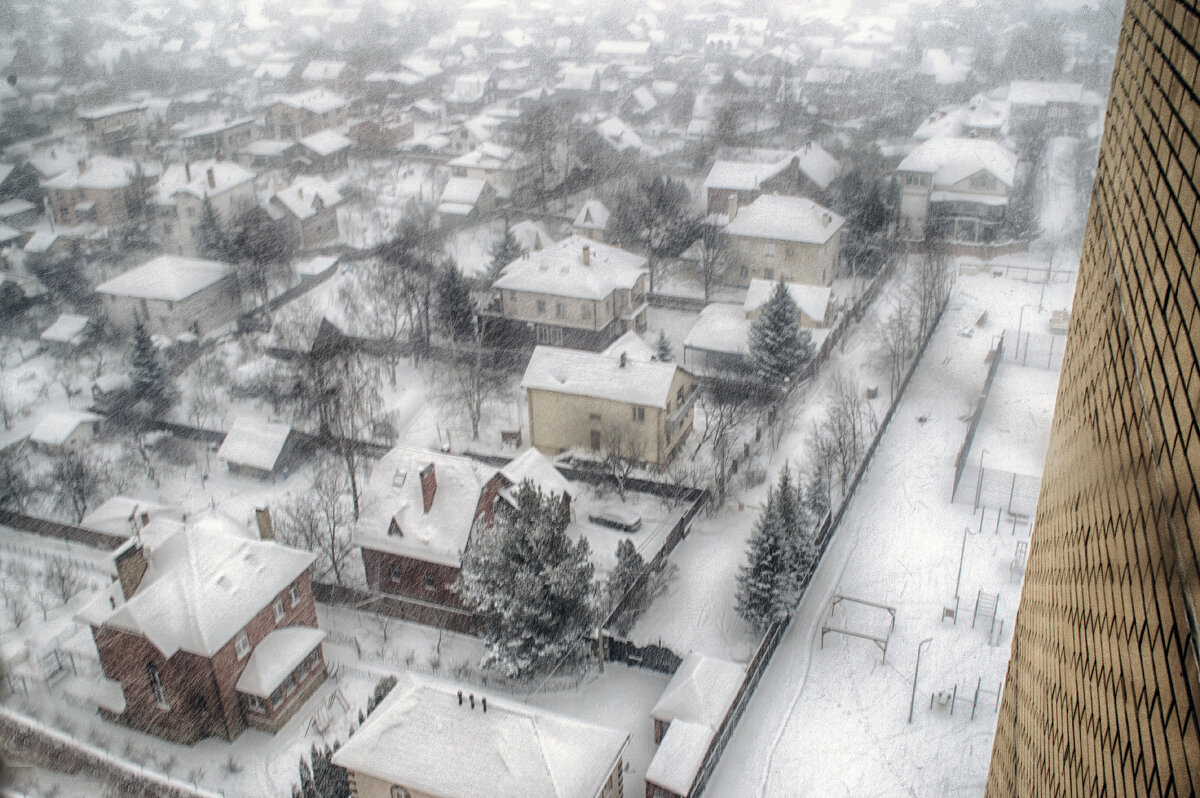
(979, 482)
(1020, 322)
(916, 671)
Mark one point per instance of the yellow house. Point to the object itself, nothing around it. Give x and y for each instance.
(784, 238)
(621, 402)
(431, 737)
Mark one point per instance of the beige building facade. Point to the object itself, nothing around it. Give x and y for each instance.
(1103, 682)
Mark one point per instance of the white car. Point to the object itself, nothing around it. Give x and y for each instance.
(618, 517)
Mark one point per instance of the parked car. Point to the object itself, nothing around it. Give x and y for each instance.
(617, 516)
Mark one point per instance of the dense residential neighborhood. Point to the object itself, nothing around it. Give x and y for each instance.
(402, 399)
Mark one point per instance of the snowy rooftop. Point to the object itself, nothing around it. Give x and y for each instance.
(621, 136)
(67, 329)
(315, 265)
(679, 756)
(205, 581)
(217, 127)
(530, 235)
(462, 191)
(535, 466)
(953, 159)
(1033, 92)
(786, 219)
(739, 176)
(318, 70)
(592, 216)
(54, 428)
(487, 156)
(633, 347)
(599, 375)
(318, 101)
(422, 738)
(268, 147)
(100, 173)
(254, 443)
(721, 327)
(559, 270)
(813, 300)
(326, 142)
(277, 655)
(700, 691)
(304, 198)
(168, 277)
(109, 110)
(440, 535)
(193, 179)
(118, 515)
(618, 47)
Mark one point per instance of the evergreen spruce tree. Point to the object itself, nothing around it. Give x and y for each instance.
(454, 309)
(816, 495)
(758, 599)
(150, 382)
(211, 240)
(630, 567)
(779, 348)
(503, 252)
(663, 348)
(533, 586)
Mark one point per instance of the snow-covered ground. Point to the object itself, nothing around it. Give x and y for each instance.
(833, 720)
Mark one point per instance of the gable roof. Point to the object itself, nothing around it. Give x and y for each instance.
(326, 142)
(300, 198)
(192, 179)
(950, 160)
(558, 270)
(171, 278)
(786, 219)
(813, 300)
(254, 443)
(54, 428)
(535, 466)
(317, 101)
(423, 738)
(204, 583)
(440, 535)
(592, 216)
(100, 173)
(599, 375)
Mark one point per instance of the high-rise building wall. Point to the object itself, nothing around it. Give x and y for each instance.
(1102, 691)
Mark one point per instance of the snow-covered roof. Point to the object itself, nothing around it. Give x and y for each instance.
(487, 156)
(535, 466)
(268, 147)
(619, 135)
(193, 179)
(817, 164)
(950, 160)
(326, 142)
(592, 216)
(68, 328)
(118, 515)
(440, 535)
(600, 376)
(720, 327)
(254, 443)
(217, 127)
(15, 205)
(739, 176)
(633, 347)
(203, 584)
(108, 694)
(171, 278)
(100, 173)
(679, 756)
(468, 88)
(318, 70)
(109, 110)
(813, 300)
(423, 738)
(8, 233)
(786, 219)
(462, 191)
(559, 270)
(1038, 93)
(701, 691)
(619, 47)
(275, 70)
(530, 235)
(577, 78)
(54, 428)
(315, 265)
(455, 209)
(276, 656)
(317, 101)
(304, 198)
(644, 99)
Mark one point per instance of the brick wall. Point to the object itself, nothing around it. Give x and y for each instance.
(409, 577)
(1102, 686)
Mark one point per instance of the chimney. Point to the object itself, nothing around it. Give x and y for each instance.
(82, 165)
(587, 255)
(826, 219)
(266, 529)
(301, 190)
(460, 698)
(187, 170)
(131, 567)
(219, 157)
(622, 365)
(484, 702)
(472, 700)
(733, 207)
(428, 486)
(212, 178)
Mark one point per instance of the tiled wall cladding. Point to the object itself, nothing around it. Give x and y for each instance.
(1102, 689)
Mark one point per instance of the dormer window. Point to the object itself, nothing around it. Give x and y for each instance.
(242, 645)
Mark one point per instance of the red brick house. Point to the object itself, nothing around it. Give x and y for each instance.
(428, 508)
(205, 631)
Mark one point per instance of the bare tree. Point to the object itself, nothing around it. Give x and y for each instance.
(18, 607)
(79, 481)
(472, 379)
(726, 413)
(207, 401)
(929, 284)
(839, 442)
(715, 256)
(895, 342)
(16, 487)
(621, 453)
(63, 578)
(319, 521)
(411, 258)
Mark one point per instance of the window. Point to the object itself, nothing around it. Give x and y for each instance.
(289, 684)
(593, 416)
(558, 309)
(399, 792)
(768, 274)
(429, 583)
(639, 414)
(512, 295)
(255, 703)
(769, 249)
(395, 573)
(302, 669)
(294, 595)
(278, 607)
(541, 306)
(314, 658)
(745, 272)
(242, 644)
(276, 697)
(156, 686)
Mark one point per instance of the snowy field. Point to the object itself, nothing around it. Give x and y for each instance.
(833, 720)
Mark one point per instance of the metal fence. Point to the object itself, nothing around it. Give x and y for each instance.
(960, 461)
(1016, 494)
(1040, 350)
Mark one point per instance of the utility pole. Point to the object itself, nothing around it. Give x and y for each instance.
(916, 671)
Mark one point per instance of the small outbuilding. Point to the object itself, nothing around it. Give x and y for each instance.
(257, 448)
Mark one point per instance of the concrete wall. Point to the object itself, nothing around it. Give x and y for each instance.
(205, 310)
(763, 259)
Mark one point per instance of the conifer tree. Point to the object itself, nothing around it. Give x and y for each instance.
(503, 252)
(454, 309)
(532, 585)
(779, 348)
(663, 348)
(630, 567)
(758, 599)
(150, 382)
(212, 241)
